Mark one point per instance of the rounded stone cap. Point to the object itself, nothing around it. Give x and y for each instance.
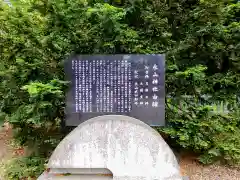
(127, 147)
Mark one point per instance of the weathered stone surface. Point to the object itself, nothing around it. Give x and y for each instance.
(73, 177)
(129, 148)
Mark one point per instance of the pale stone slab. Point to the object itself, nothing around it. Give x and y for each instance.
(73, 177)
(127, 147)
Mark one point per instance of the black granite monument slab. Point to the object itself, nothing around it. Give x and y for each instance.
(132, 85)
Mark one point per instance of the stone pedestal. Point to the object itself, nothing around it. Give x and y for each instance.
(113, 147)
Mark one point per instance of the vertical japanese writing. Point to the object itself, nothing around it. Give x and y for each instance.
(129, 86)
(155, 86)
(75, 68)
(108, 74)
(111, 83)
(93, 82)
(83, 70)
(97, 85)
(79, 86)
(115, 83)
(126, 86)
(101, 85)
(107, 87)
(141, 94)
(118, 85)
(122, 73)
(146, 77)
(86, 94)
(90, 70)
(136, 87)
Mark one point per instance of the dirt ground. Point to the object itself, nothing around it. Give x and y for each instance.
(189, 166)
(196, 171)
(6, 151)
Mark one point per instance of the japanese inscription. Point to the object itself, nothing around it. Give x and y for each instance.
(130, 85)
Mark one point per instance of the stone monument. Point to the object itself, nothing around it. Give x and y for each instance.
(113, 100)
(116, 145)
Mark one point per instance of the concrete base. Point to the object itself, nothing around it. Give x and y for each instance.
(127, 147)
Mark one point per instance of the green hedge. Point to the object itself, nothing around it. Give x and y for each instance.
(200, 40)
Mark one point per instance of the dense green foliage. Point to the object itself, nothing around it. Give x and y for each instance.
(201, 40)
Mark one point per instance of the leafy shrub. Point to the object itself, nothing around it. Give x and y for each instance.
(225, 148)
(214, 136)
(25, 167)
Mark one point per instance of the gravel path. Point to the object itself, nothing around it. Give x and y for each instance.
(196, 171)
